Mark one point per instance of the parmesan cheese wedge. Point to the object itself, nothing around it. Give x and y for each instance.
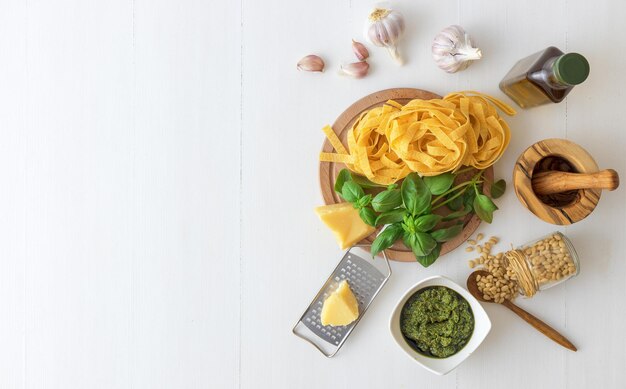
(344, 221)
(341, 307)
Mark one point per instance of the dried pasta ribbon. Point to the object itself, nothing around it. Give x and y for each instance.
(334, 140)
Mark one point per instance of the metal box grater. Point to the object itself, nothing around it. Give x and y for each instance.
(366, 278)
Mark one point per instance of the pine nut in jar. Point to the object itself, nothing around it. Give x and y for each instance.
(535, 266)
(543, 263)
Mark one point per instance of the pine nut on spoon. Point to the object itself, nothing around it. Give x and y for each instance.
(472, 287)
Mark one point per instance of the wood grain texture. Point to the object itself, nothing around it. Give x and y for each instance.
(557, 182)
(551, 333)
(540, 326)
(328, 171)
(576, 156)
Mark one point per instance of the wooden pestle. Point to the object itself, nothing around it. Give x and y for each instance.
(552, 182)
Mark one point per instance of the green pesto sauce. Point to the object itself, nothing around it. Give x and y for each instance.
(437, 322)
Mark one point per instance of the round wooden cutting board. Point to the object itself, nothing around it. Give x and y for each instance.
(329, 170)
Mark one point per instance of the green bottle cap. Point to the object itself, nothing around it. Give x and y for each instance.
(571, 68)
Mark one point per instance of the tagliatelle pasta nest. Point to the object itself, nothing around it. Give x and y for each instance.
(429, 137)
(370, 153)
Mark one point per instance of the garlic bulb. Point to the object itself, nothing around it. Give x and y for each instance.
(384, 28)
(452, 49)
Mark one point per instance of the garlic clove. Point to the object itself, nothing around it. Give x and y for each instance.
(311, 63)
(360, 50)
(355, 69)
(394, 23)
(381, 35)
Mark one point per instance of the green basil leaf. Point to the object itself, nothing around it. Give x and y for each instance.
(420, 243)
(456, 204)
(439, 184)
(456, 214)
(484, 207)
(386, 238)
(427, 260)
(427, 222)
(365, 183)
(387, 200)
(468, 199)
(393, 216)
(415, 194)
(445, 234)
(352, 192)
(409, 239)
(485, 202)
(408, 223)
(368, 216)
(364, 201)
(498, 188)
(392, 186)
(343, 176)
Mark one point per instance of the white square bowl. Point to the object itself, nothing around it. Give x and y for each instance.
(441, 366)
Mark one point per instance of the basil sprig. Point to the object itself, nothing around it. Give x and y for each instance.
(408, 211)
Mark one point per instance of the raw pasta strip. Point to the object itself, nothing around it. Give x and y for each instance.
(334, 140)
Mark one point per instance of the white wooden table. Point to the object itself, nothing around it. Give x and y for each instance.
(159, 169)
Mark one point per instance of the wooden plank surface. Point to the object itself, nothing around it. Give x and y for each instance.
(159, 169)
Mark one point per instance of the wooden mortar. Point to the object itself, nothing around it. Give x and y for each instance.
(559, 181)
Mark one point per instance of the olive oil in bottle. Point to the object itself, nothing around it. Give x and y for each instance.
(544, 77)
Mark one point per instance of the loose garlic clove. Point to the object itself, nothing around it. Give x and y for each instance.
(452, 49)
(360, 50)
(311, 63)
(356, 69)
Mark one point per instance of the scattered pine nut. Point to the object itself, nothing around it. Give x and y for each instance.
(480, 237)
(469, 248)
(472, 242)
(492, 286)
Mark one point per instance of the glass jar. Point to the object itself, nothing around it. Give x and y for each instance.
(542, 263)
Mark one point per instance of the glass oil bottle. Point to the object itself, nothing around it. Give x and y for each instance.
(544, 77)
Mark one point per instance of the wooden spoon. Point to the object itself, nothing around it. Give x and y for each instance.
(551, 182)
(545, 329)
